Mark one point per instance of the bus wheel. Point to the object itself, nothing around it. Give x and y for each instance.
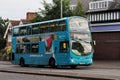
(73, 66)
(52, 62)
(22, 62)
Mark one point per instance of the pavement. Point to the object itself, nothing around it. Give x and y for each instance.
(100, 70)
(106, 64)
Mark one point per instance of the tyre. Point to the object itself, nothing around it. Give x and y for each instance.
(73, 66)
(52, 62)
(22, 62)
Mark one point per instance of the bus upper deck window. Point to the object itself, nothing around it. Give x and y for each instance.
(62, 26)
(16, 32)
(23, 31)
(53, 27)
(44, 28)
(35, 29)
(28, 30)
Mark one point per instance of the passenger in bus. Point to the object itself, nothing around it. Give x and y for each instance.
(19, 40)
(34, 48)
(25, 39)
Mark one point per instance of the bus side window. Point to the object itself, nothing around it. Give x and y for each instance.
(27, 48)
(64, 46)
(44, 28)
(41, 31)
(23, 31)
(28, 30)
(17, 48)
(23, 48)
(35, 29)
(53, 27)
(35, 48)
(16, 32)
(62, 26)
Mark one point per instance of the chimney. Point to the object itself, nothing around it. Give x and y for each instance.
(30, 15)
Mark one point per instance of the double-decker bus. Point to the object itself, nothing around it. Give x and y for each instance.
(61, 42)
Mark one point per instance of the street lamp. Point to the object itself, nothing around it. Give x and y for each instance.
(61, 9)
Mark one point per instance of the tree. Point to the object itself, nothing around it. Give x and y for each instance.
(2, 43)
(52, 11)
(2, 31)
(79, 10)
(2, 27)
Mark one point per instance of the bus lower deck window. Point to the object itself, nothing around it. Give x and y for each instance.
(35, 48)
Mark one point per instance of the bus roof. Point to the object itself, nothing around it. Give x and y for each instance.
(65, 18)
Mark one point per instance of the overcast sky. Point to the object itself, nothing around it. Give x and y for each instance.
(17, 9)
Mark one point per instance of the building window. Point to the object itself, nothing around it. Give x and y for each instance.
(102, 4)
(115, 15)
(95, 17)
(99, 4)
(98, 17)
(111, 17)
(106, 16)
(72, 7)
(103, 17)
(94, 6)
(118, 15)
(91, 17)
(90, 6)
(105, 4)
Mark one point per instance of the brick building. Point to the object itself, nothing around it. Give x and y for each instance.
(30, 16)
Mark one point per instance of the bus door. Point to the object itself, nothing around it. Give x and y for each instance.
(61, 50)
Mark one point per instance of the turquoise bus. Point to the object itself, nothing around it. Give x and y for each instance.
(61, 42)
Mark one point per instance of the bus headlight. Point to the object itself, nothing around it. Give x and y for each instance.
(72, 60)
(91, 60)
